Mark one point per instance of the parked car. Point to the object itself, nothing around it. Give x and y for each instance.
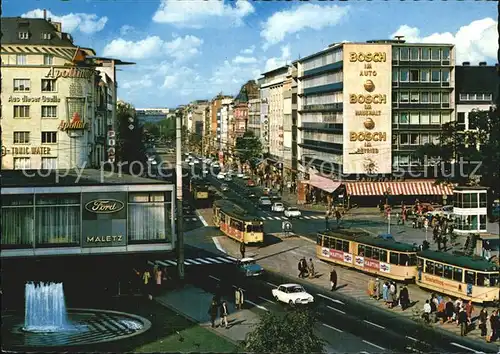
(250, 183)
(292, 212)
(293, 294)
(221, 175)
(248, 267)
(224, 187)
(264, 201)
(278, 208)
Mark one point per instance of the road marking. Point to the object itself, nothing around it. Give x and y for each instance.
(162, 263)
(329, 298)
(214, 260)
(334, 309)
(171, 262)
(186, 262)
(331, 327)
(268, 283)
(237, 287)
(231, 258)
(413, 339)
(225, 260)
(365, 230)
(263, 298)
(203, 260)
(217, 245)
(467, 348)
(364, 353)
(277, 218)
(307, 217)
(258, 306)
(203, 221)
(194, 219)
(194, 262)
(215, 278)
(374, 345)
(374, 324)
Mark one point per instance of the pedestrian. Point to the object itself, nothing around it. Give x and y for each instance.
(494, 326)
(327, 215)
(158, 278)
(385, 292)
(469, 309)
(338, 216)
(404, 298)
(427, 311)
(463, 321)
(212, 311)
(242, 249)
(483, 318)
(239, 298)
(375, 288)
(449, 310)
(223, 314)
(333, 279)
(311, 268)
(393, 295)
(146, 276)
(380, 287)
(301, 268)
(371, 287)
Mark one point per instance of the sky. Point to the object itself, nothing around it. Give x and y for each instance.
(193, 49)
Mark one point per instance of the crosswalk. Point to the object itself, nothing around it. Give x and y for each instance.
(195, 261)
(190, 218)
(283, 218)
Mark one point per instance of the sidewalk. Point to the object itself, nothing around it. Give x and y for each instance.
(284, 256)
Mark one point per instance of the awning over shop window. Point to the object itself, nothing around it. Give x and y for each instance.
(398, 188)
(323, 183)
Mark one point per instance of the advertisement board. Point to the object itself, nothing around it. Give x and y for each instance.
(367, 106)
(104, 219)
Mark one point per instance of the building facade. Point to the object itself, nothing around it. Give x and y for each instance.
(264, 115)
(254, 117)
(151, 115)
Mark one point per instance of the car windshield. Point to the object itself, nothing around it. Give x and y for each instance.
(249, 262)
(293, 209)
(278, 204)
(296, 289)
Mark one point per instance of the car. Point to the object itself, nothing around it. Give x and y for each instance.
(251, 194)
(292, 212)
(216, 164)
(266, 191)
(240, 175)
(446, 210)
(278, 208)
(248, 267)
(264, 201)
(187, 159)
(224, 187)
(221, 175)
(250, 183)
(196, 161)
(191, 163)
(228, 178)
(245, 177)
(293, 294)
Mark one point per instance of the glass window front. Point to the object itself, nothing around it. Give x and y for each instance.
(17, 221)
(149, 216)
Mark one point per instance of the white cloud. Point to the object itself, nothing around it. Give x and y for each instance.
(307, 16)
(475, 42)
(85, 23)
(248, 50)
(199, 14)
(228, 77)
(126, 29)
(244, 60)
(134, 85)
(180, 48)
(276, 62)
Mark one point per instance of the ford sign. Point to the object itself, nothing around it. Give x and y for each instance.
(104, 206)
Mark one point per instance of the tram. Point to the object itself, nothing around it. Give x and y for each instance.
(468, 278)
(378, 256)
(237, 223)
(199, 189)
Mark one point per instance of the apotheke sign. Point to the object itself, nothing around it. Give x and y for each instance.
(75, 73)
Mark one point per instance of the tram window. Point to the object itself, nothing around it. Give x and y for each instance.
(394, 259)
(420, 264)
(375, 253)
(448, 272)
(493, 280)
(319, 240)
(345, 246)
(438, 270)
(361, 250)
(458, 274)
(383, 256)
(404, 259)
(223, 218)
(482, 279)
(413, 259)
(470, 277)
(338, 245)
(429, 267)
(369, 252)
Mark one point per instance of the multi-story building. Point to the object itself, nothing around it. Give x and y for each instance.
(289, 122)
(225, 126)
(151, 115)
(475, 90)
(264, 115)
(58, 99)
(254, 117)
(240, 115)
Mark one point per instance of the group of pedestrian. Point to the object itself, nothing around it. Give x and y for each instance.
(306, 269)
(152, 281)
(217, 308)
(388, 291)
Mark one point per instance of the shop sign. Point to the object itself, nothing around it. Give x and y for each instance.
(360, 261)
(75, 73)
(325, 251)
(28, 99)
(75, 124)
(26, 150)
(335, 254)
(348, 258)
(385, 267)
(104, 239)
(104, 206)
(373, 264)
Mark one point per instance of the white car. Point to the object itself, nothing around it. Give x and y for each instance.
(293, 294)
(264, 201)
(221, 175)
(278, 207)
(191, 163)
(187, 159)
(292, 212)
(228, 178)
(240, 175)
(196, 161)
(216, 164)
(446, 210)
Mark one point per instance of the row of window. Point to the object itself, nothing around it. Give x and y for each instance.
(24, 85)
(421, 97)
(24, 163)
(457, 274)
(325, 79)
(409, 160)
(425, 117)
(322, 117)
(424, 54)
(24, 137)
(328, 58)
(476, 97)
(415, 139)
(22, 59)
(320, 155)
(330, 138)
(469, 200)
(26, 35)
(421, 75)
(324, 98)
(23, 111)
(470, 222)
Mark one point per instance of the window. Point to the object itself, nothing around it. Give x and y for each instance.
(148, 217)
(49, 111)
(404, 97)
(429, 267)
(48, 59)
(414, 53)
(24, 35)
(445, 117)
(482, 222)
(17, 217)
(394, 258)
(21, 137)
(49, 137)
(488, 97)
(424, 97)
(414, 75)
(434, 138)
(395, 53)
(403, 139)
(435, 118)
(434, 53)
(424, 138)
(22, 163)
(448, 272)
(445, 75)
(425, 118)
(45, 35)
(403, 118)
(414, 140)
(383, 256)
(404, 160)
(445, 97)
(404, 54)
(414, 97)
(394, 118)
(445, 52)
(394, 96)
(470, 277)
(21, 111)
(414, 118)
(49, 163)
(48, 85)
(482, 200)
(425, 75)
(435, 97)
(458, 274)
(463, 96)
(21, 59)
(435, 75)
(21, 85)
(425, 54)
(404, 75)
(395, 75)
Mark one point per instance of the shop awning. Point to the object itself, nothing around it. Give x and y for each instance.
(398, 188)
(323, 183)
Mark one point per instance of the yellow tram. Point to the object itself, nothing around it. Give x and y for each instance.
(237, 223)
(464, 277)
(378, 256)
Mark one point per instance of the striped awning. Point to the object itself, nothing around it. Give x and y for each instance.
(398, 188)
(323, 183)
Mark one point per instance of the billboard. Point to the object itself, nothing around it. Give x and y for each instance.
(367, 109)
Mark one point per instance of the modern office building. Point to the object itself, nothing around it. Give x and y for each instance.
(151, 115)
(254, 117)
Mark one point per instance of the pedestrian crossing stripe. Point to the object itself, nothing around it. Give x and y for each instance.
(283, 218)
(190, 219)
(195, 261)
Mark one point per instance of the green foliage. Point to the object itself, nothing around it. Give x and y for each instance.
(130, 145)
(248, 147)
(293, 333)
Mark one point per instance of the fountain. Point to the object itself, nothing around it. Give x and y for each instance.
(45, 310)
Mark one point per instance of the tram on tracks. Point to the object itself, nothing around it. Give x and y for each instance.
(199, 189)
(237, 223)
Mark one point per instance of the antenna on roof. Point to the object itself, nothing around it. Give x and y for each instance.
(399, 38)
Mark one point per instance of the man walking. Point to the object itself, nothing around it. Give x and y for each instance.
(327, 216)
(463, 322)
(311, 268)
(239, 298)
(333, 279)
(242, 249)
(338, 216)
(212, 311)
(223, 314)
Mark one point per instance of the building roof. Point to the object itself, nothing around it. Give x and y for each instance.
(283, 68)
(88, 177)
(476, 79)
(473, 263)
(11, 26)
(364, 238)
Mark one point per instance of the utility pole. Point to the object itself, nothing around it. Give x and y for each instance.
(178, 174)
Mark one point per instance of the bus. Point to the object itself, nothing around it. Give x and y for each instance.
(375, 255)
(237, 223)
(199, 189)
(468, 278)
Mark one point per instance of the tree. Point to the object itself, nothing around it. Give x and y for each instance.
(130, 145)
(195, 141)
(293, 333)
(248, 147)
